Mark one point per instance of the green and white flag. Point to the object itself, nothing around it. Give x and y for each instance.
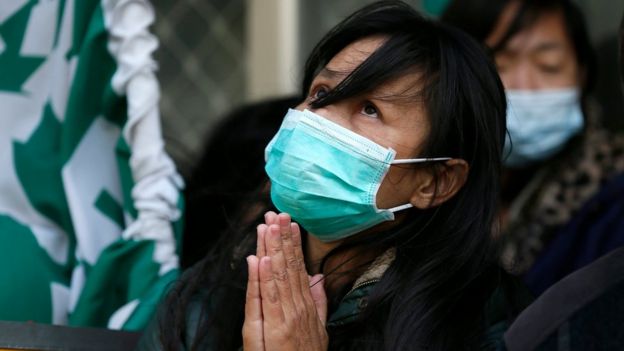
(89, 200)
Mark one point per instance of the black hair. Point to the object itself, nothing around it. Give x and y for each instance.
(479, 17)
(621, 54)
(229, 173)
(433, 295)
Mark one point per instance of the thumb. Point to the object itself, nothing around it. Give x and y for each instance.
(317, 290)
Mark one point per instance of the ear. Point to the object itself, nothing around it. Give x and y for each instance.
(432, 190)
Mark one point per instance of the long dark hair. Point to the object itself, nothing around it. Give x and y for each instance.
(621, 52)
(479, 17)
(433, 295)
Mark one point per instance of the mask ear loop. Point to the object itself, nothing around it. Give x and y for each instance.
(413, 160)
(419, 160)
(400, 208)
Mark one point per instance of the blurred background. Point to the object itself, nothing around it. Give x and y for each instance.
(218, 54)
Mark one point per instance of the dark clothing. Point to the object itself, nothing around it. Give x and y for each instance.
(567, 205)
(349, 309)
(583, 311)
(594, 231)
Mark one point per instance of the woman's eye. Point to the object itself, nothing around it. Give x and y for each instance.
(370, 110)
(320, 93)
(552, 69)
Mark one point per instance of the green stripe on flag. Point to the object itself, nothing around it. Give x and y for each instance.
(110, 208)
(138, 279)
(91, 82)
(25, 283)
(38, 166)
(146, 309)
(125, 176)
(14, 68)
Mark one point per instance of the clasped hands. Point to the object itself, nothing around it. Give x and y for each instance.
(285, 308)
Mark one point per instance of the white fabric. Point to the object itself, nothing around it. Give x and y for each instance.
(156, 192)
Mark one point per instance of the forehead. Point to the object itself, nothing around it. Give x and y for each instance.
(354, 54)
(344, 62)
(546, 33)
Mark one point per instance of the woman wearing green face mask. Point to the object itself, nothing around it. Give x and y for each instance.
(557, 157)
(387, 174)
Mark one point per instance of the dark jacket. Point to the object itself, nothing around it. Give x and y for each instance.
(583, 311)
(349, 309)
(568, 214)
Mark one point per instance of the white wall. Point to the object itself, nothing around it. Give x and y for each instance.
(272, 44)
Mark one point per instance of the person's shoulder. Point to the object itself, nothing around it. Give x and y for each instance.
(585, 306)
(602, 148)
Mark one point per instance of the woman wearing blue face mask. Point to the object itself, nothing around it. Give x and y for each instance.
(386, 175)
(556, 155)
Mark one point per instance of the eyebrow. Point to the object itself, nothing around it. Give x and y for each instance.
(539, 48)
(404, 97)
(332, 74)
(548, 46)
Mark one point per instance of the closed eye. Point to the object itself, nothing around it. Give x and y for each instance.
(550, 68)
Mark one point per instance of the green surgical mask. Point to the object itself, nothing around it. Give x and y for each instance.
(327, 177)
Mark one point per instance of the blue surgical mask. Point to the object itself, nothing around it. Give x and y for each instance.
(327, 177)
(540, 123)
